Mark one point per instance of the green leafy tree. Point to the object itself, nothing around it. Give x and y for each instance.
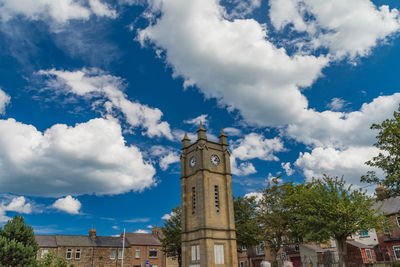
(328, 208)
(247, 229)
(172, 235)
(274, 216)
(389, 159)
(50, 260)
(18, 246)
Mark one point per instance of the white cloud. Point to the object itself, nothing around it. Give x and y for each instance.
(94, 82)
(346, 28)
(230, 131)
(241, 8)
(337, 104)
(141, 231)
(4, 100)
(137, 220)
(258, 196)
(196, 121)
(288, 169)
(68, 204)
(86, 158)
(16, 204)
(254, 146)
(233, 61)
(250, 147)
(335, 162)
(168, 216)
(61, 11)
(341, 129)
(166, 155)
(115, 227)
(149, 226)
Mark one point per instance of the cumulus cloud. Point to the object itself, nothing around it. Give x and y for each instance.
(87, 158)
(141, 231)
(92, 83)
(231, 131)
(68, 204)
(15, 204)
(288, 169)
(241, 8)
(336, 162)
(60, 11)
(4, 100)
(337, 104)
(196, 121)
(253, 146)
(166, 155)
(346, 28)
(168, 216)
(235, 62)
(232, 61)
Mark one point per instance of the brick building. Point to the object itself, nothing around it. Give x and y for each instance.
(145, 248)
(85, 251)
(389, 239)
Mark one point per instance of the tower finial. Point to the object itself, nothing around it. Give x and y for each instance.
(223, 139)
(185, 141)
(201, 132)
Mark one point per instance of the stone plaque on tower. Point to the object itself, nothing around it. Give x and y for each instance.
(208, 226)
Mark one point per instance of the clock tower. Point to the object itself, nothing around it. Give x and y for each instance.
(208, 226)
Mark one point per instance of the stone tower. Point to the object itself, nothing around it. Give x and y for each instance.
(208, 226)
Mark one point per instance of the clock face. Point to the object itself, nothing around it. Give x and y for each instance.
(192, 161)
(214, 159)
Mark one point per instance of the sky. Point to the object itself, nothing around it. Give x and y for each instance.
(95, 97)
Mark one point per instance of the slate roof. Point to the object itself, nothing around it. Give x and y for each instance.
(388, 206)
(358, 244)
(142, 239)
(48, 241)
(52, 241)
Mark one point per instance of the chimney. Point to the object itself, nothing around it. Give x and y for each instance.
(380, 192)
(92, 233)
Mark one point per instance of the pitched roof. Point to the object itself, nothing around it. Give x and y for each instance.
(358, 244)
(142, 239)
(79, 241)
(388, 206)
(48, 241)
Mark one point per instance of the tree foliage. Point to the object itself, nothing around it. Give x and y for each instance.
(50, 260)
(389, 159)
(247, 230)
(172, 235)
(274, 216)
(18, 246)
(328, 208)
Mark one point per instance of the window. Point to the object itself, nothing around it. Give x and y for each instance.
(243, 248)
(242, 264)
(216, 196)
(137, 253)
(44, 252)
(193, 200)
(398, 220)
(260, 249)
(78, 254)
(368, 252)
(113, 254)
(364, 233)
(120, 254)
(396, 251)
(152, 253)
(196, 253)
(386, 228)
(219, 253)
(69, 253)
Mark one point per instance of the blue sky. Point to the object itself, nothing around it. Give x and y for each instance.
(95, 96)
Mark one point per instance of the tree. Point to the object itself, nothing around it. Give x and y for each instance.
(18, 246)
(389, 159)
(247, 229)
(172, 235)
(274, 216)
(50, 260)
(328, 208)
